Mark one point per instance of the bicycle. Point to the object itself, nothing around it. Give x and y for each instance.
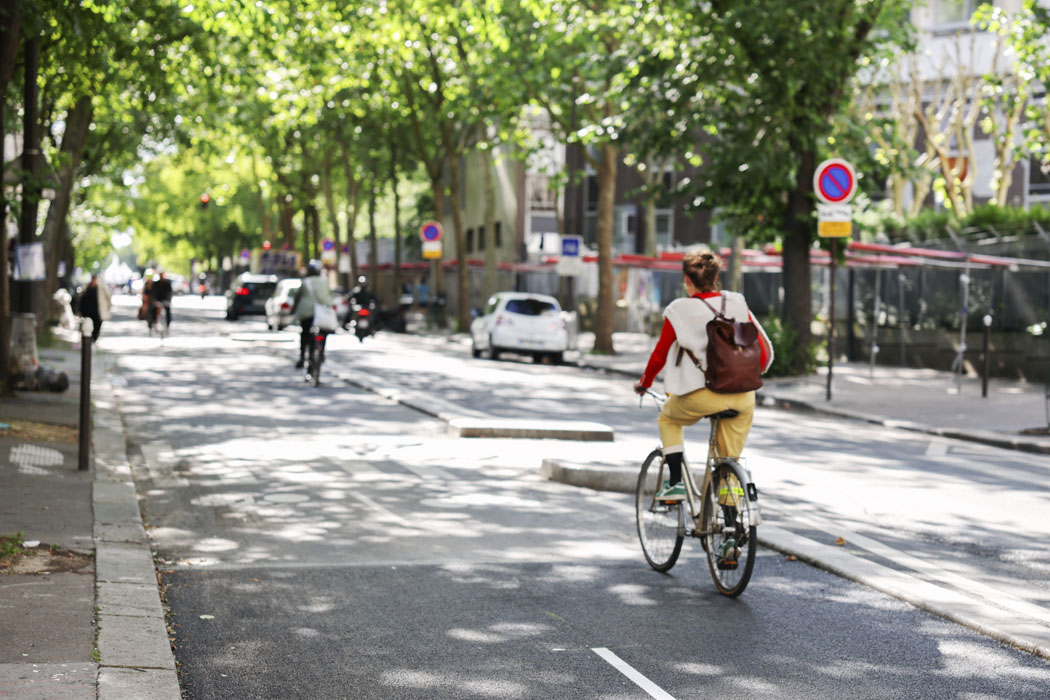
(722, 514)
(315, 356)
(157, 319)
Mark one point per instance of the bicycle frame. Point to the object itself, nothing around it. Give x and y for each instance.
(693, 494)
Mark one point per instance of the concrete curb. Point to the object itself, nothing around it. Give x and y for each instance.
(507, 428)
(990, 621)
(621, 480)
(136, 658)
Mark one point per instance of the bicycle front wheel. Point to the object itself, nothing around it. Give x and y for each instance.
(660, 524)
(728, 529)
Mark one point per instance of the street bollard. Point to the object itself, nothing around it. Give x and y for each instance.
(86, 328)
(987, 354)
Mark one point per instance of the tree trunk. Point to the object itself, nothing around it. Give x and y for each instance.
(797, 242)
(9, 41)
(265, 211)
(287, 225)
(489, 280)
(439, 215)
(307, 254)
(397, 220)
(651, 177)
(315, 229)
(330, 206)
(736, 266)
(353, 207)
(373, 252)
(77, 122)
(603, 326)
(462, 276)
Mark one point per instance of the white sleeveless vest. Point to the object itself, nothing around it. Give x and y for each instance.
(689, 318)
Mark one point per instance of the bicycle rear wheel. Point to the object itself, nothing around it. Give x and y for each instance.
(315, 374)
(660, 525)
(729, 533)
(313, 365)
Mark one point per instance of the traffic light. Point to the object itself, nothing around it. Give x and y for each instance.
(205, 200)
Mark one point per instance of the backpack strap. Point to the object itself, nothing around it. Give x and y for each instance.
(682, 349)
(719, 314)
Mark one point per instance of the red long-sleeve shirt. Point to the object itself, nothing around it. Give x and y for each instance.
(667, 337)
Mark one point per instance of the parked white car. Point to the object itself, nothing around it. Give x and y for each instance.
(281, 305)
(528, 324)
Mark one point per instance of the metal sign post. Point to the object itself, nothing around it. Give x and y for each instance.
(84, 442)
(831, 320)
(834, 184)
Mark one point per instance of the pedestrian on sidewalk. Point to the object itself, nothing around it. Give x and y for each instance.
(685, 328)
(95, 304)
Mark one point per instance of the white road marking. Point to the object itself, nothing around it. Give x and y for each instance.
(626, 669)
(384, 512)
(429, 473)
(938, 447)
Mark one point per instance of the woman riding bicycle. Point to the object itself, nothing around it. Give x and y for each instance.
(685, 328)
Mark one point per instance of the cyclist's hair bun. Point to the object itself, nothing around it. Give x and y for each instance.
(702, 268)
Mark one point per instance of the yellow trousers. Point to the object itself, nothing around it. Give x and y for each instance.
(680, 411)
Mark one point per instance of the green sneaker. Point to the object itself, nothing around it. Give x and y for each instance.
(728, 554)
(671, 493)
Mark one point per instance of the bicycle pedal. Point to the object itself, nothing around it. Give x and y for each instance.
(727, 565)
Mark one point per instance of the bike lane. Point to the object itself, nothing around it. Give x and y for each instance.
(329, 543)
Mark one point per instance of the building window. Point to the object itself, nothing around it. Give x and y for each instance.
(499, 236)
(481, 238)
(664, 228)
(541, 196)
(470, 240)
(592, 192)
(953, 11)
(1038, 180)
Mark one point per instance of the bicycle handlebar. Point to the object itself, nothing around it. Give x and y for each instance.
(656, 397)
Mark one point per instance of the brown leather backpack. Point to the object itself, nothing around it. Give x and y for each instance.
(734, 354)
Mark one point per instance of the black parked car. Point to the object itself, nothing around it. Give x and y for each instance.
(248, 295)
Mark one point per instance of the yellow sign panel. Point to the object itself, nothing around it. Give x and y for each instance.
(835, 229)
(431, 250)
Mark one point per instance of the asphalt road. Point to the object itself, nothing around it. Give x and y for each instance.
(328, 543)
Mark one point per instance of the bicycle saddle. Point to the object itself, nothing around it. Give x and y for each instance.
(728, 413)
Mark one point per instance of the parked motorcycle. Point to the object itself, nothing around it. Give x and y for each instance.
(395, 319)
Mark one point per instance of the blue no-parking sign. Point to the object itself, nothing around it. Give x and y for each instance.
(430, 232)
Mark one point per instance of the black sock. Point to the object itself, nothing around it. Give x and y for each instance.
(674, 467)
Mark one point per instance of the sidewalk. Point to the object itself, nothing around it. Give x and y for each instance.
(80, 608)
(925, 400)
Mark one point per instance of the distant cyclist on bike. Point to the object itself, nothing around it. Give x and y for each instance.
(313, 290)
(162, 293)
(685, 326)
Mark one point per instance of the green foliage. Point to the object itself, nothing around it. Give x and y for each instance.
(788, 354)
(932, 224)
(1008, 219)
(786, 72)
(12, 545)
